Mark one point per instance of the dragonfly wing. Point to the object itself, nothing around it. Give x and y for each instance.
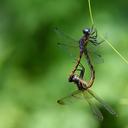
(65, 37)
(102, 102)
(95, 53)
(97, 113)
(68, 99)
(67, 43)
(72, 51)
(96, 57)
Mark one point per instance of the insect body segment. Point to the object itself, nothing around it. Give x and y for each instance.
(82, 44)
(83, 88)
(91, 81)
(88, 36)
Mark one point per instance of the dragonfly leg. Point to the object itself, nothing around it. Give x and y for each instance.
(95, 42)
(92, 37)
(94, 31)
(82, 71)
(101, 42)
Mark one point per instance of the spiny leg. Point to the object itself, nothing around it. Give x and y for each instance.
(82, 71)
(93, 31)
(92, 36)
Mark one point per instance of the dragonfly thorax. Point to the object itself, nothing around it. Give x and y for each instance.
(75, 78)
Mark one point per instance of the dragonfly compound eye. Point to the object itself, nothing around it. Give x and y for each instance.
(86, 31)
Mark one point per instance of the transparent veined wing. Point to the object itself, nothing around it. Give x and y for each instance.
(81, 95)
(67, 43)
(71, 46)
(95, 52)
(102, 102)
(69, 99)
(65, 38)
(95, 110)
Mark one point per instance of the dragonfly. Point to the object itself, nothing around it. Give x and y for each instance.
(85, 93)
(89, 37)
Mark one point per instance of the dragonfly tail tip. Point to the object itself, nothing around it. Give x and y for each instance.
(60, 102)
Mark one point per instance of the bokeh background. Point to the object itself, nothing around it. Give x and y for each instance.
(34, 71)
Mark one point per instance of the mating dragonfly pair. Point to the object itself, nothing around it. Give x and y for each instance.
(83, 87)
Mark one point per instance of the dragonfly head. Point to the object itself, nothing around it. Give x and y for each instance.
(86, 31)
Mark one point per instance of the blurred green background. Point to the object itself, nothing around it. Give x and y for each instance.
(34, 71)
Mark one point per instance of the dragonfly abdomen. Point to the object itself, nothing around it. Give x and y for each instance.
(91, 81)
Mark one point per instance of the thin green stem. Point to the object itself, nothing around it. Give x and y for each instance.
(90, 12)
(108, 42)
